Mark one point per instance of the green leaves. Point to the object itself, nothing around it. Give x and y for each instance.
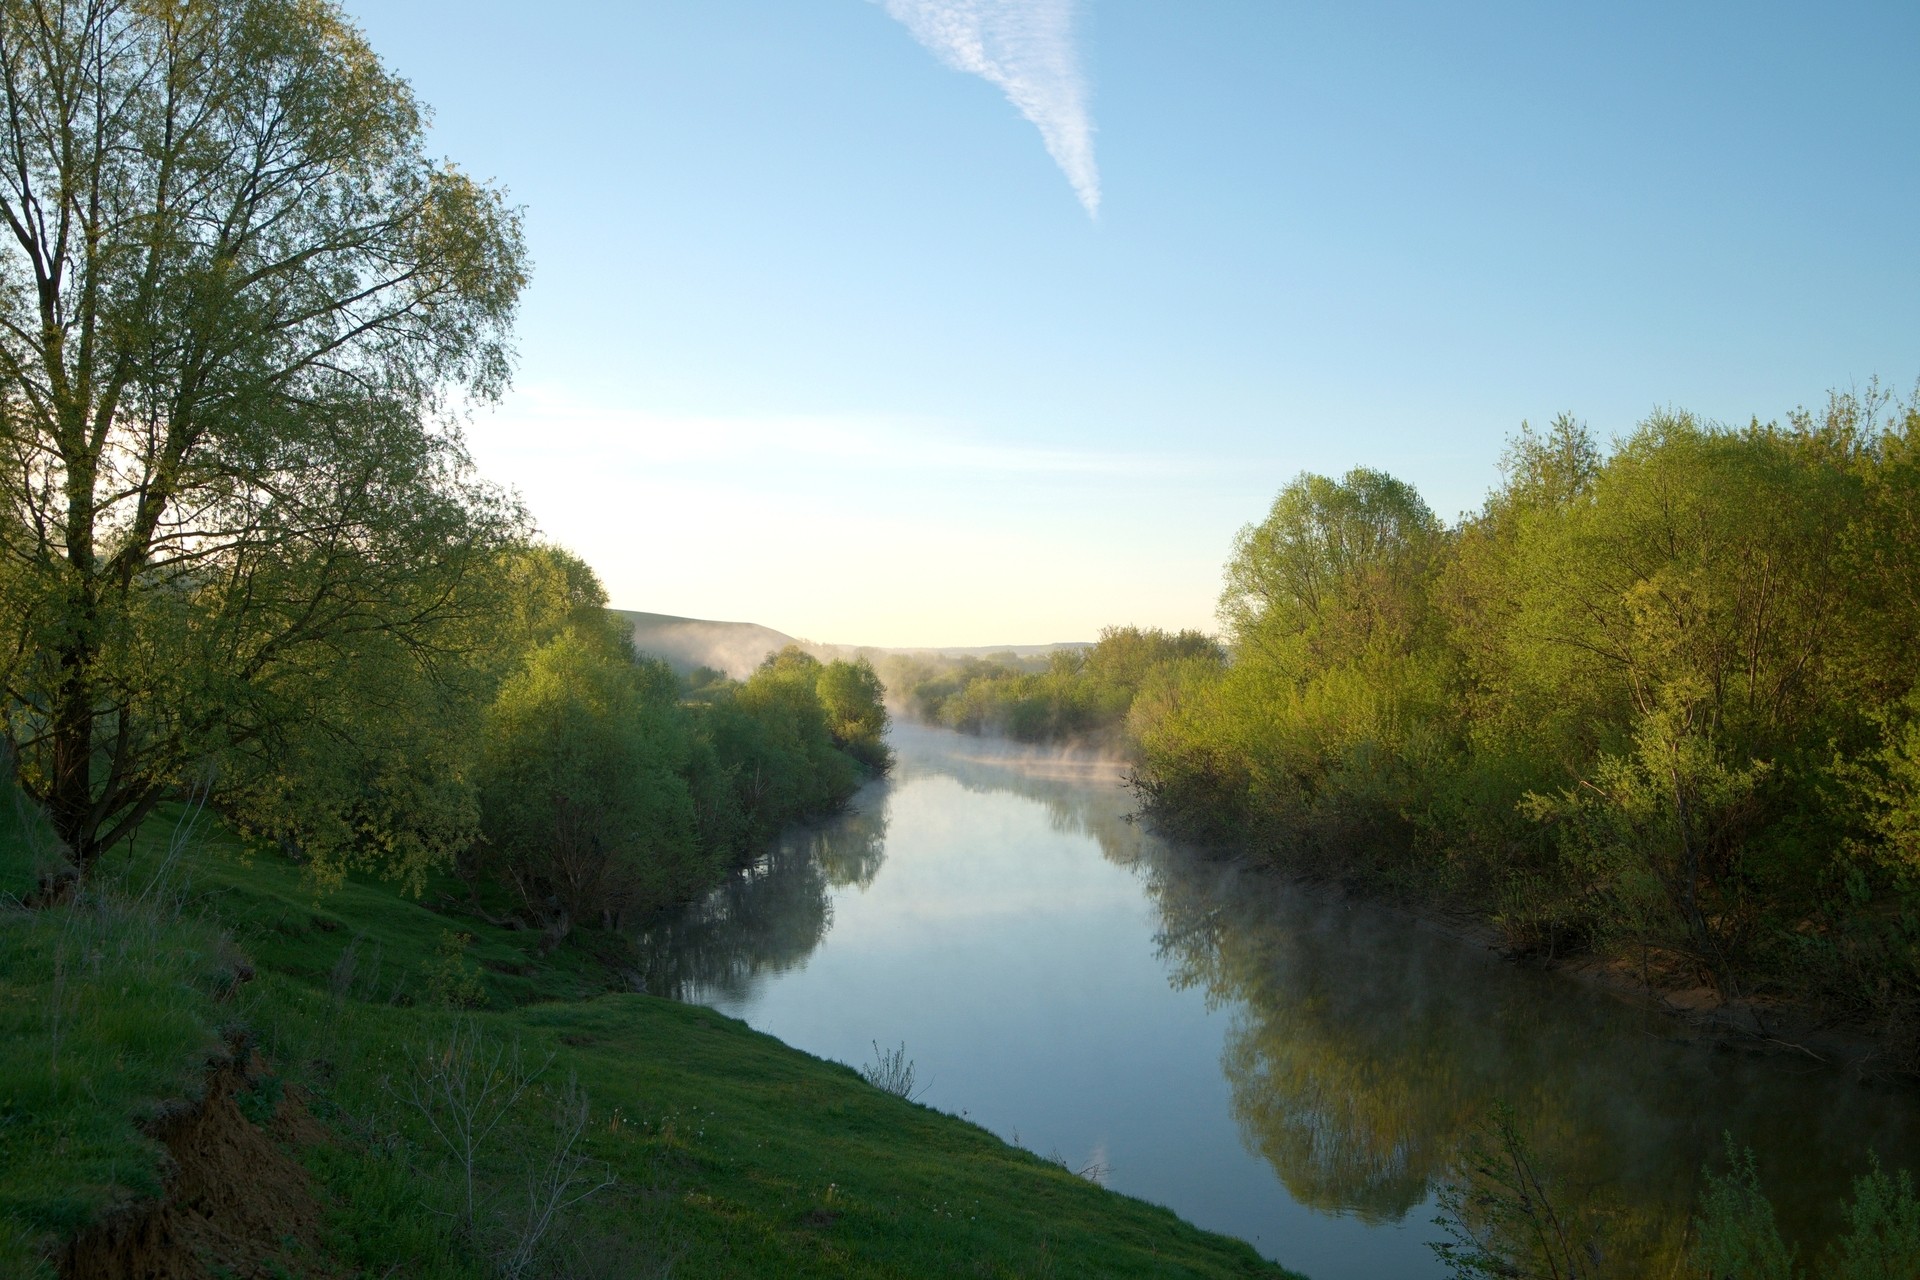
(1336, 563)
(855, 702)
(1654, 701)
(582, 799)
(235, 295)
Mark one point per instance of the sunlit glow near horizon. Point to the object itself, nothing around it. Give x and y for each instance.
(815, 337)
(834, 529)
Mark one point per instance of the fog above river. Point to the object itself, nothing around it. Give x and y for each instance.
(1267, 1059)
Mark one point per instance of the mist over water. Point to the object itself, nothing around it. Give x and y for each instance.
(1266, 1060)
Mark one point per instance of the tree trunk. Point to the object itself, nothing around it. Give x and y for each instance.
(70, 794)
(559, 925)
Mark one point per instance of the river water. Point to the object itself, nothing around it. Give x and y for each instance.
(1268, 1063)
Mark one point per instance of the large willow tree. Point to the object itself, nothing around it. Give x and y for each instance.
(237, 300)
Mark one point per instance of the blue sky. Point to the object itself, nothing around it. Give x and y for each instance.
(820, 335)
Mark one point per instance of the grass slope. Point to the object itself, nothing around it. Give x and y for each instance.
(109, 1007)
(730, 1153)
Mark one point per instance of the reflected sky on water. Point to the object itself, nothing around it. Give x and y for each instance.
(1266, 1061)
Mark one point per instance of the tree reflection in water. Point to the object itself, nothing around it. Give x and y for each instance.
(1364, 1045)
(1083, 792)
(1360, 1045)
(769, 915)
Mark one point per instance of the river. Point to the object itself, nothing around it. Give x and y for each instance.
(1266, 1061)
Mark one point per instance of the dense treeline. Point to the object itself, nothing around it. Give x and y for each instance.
(243, 554)
(538, 754)
(1658, 703)
(1081, 695)
(599, 789)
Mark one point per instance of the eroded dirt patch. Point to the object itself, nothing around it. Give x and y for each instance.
(236, 1203)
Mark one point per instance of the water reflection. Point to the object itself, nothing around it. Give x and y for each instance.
(1363, 1045)
(1355, 1045)
(1083, 793)
(767, 917)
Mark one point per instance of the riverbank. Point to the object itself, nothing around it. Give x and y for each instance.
(204, 998)
(1655, 982)
(1652, 979)
(1300, 1070)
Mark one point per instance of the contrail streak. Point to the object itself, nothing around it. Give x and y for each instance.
(1025, 47)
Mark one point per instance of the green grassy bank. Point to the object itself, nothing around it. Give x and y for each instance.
(356, 1014)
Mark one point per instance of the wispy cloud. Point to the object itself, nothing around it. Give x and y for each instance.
(1026, 47)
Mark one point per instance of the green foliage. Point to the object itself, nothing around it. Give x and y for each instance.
(1337, 568)
(1882, 1241)
(583, 804)
(921, 686)
(1655, 702)
(1658, 837)
(1072, 695)
(1505, 1217)
(451, 980)
(790, 765)
(855, 703)
(1886, 781)
(1335, 723)
(399, 796)
(1735, 1233)
(234, 522)
(603, 795)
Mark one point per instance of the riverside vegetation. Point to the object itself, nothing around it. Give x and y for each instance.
(399, 1086)
(328, 786)
(1656, 705)
(1070, 695)
(1651, 709)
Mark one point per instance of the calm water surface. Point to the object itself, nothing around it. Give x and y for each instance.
(1266, 1063)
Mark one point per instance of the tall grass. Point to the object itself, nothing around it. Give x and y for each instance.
(110, 1005)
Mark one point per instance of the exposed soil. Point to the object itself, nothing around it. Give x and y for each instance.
(236, 1203)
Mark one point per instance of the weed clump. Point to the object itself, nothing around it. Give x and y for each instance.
(469, 1089)
(891, 1071)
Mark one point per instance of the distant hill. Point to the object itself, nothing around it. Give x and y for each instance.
(737, 647)
(733, 647)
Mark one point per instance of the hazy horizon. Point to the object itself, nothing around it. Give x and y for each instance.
(973, 301)
(746, 655)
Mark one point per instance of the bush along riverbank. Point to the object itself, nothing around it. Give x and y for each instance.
(214, 1065)
(1651, 712)
(1078, 697)
(1651, 709)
